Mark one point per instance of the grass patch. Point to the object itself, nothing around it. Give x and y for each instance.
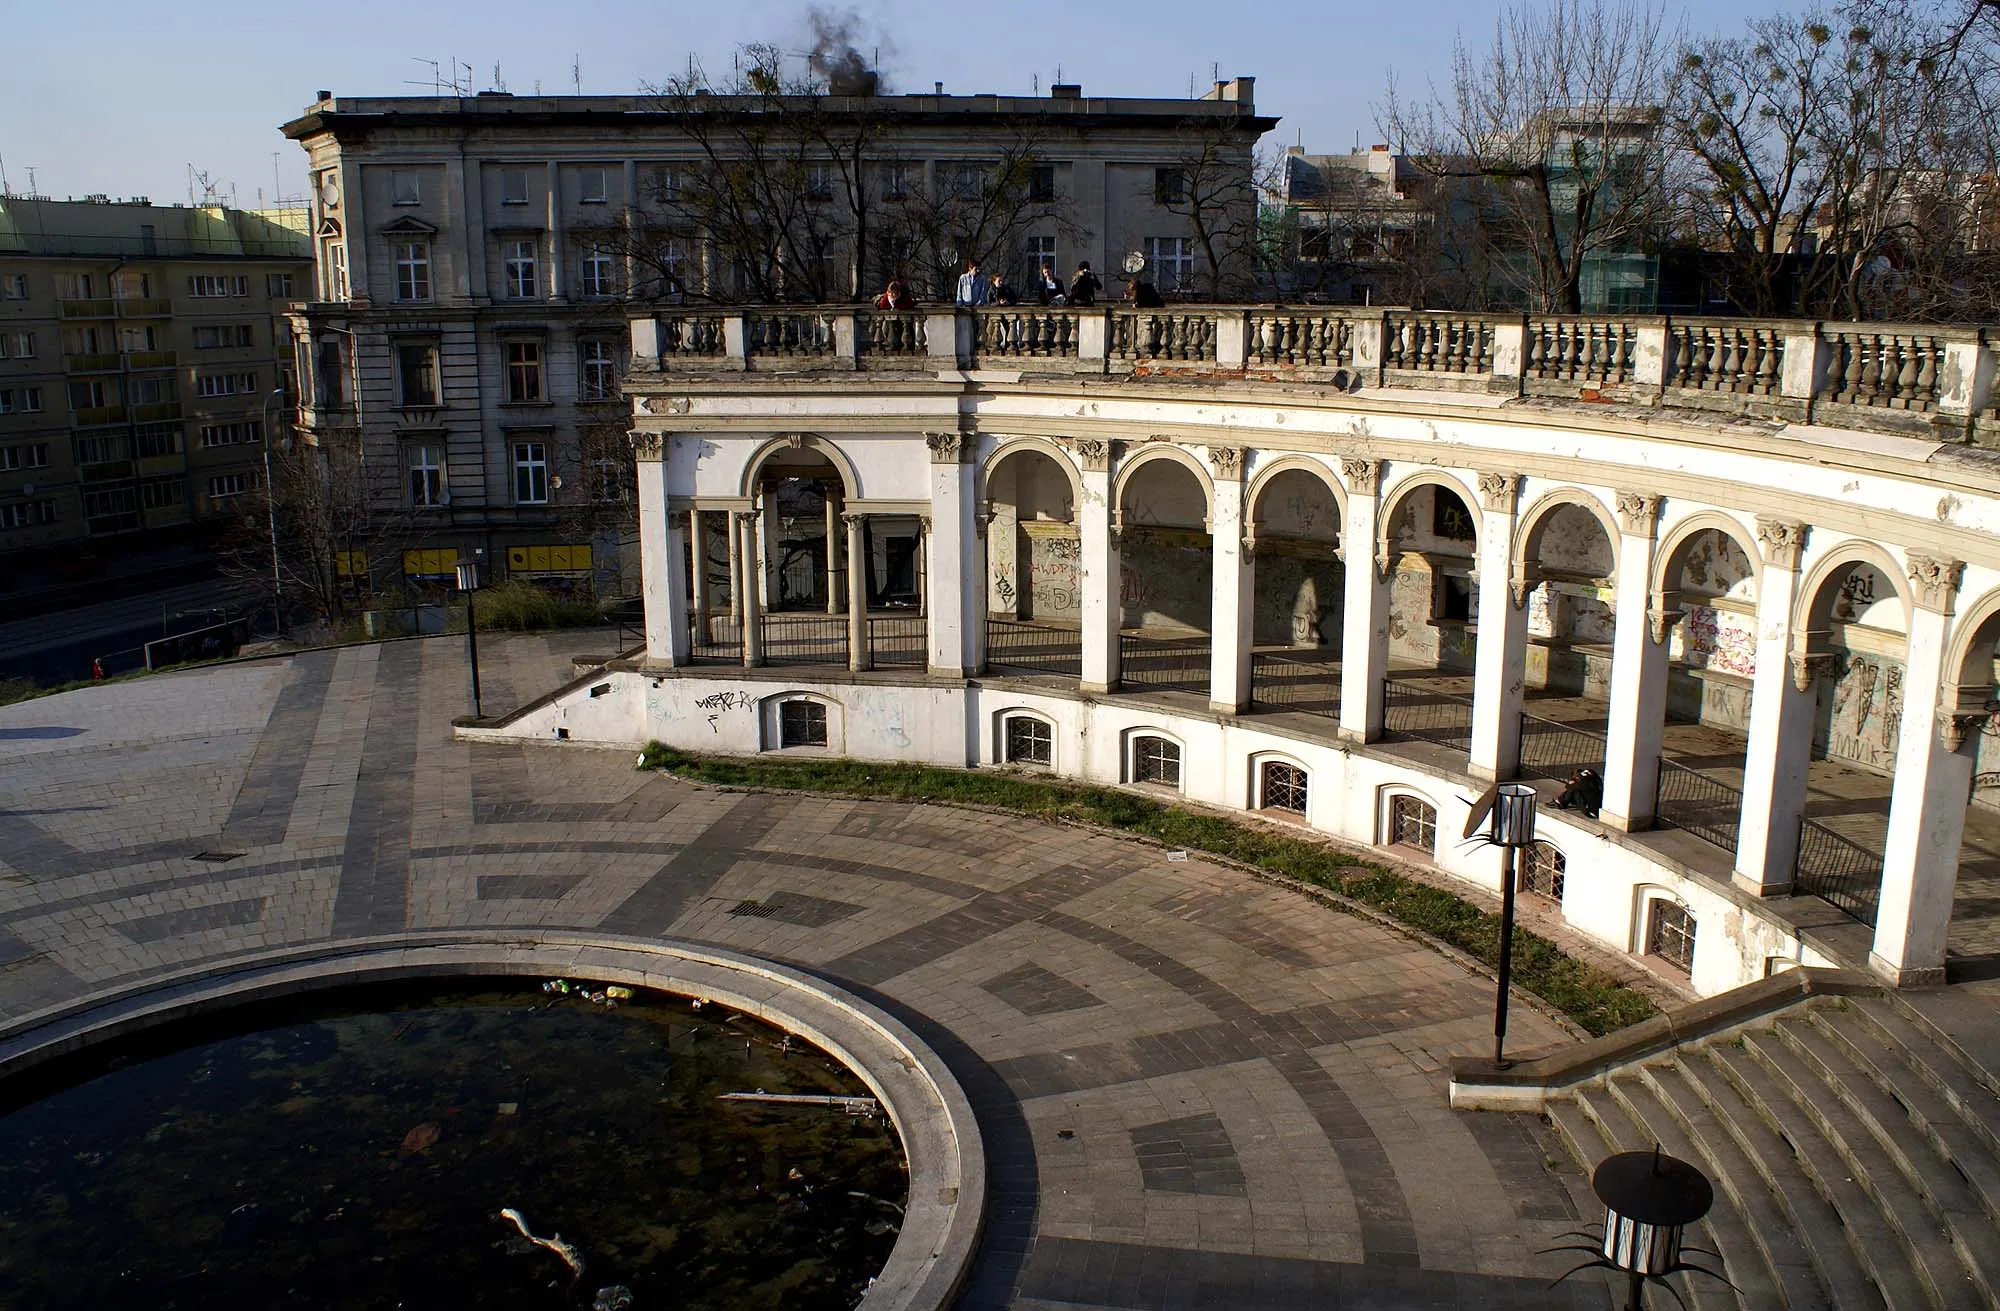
(521, 607)
(1597, 1003)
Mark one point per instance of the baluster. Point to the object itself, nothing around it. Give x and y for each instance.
(1929, 350)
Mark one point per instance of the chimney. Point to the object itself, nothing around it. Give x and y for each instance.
(326, 95)
(1066, 91)
(939, 88)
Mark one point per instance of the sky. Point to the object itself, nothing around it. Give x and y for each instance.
(137, 99)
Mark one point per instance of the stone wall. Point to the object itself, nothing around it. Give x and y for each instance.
(1165, 579)
(1301, 586)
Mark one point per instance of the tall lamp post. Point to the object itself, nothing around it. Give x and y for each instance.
(468, 583)
(1508, 810)
(271, 517)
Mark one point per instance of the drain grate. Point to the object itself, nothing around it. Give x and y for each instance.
(217, 857)
(762, 910)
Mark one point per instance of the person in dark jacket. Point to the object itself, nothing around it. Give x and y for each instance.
(1144, 295)
(1049, 287)
(1084, 286)
(1002, 292)
(896, 297)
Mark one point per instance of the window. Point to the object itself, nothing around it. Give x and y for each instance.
(148, 239)
(1038, 251)
(88, 394)
(597, 276)
(416, 371)
(1156, 760)
(222, 486)
(819, 182)
(663, 184)
(20, 400)
(405, 188)
(336, 270)
(214, 336)
(413, 270)
(600, 370)
(156, 390)
(210, 286)
(513, 186)
(519, 268)
(895, 181)
(74, 286)
(531, 473)
(1542, 871)
(1413, 823)
(1670, 933)
(112, 511)
(1169, 186)
(1281, 787)
(524, 371)
(27, 514)
(801, 724)
(1454, 597)
(225, 384)
(426, 463)
(33, 456)
(102, 448)
(17, 345)
(278, 286)
(14, 287)
(130, 284)
(1028, 741)
(168, 493)
(590, 186)
(1171, 260)
(157, 439)
(1042, 184)
(231, 434)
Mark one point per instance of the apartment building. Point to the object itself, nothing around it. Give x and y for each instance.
(474, 257)
(139, 344)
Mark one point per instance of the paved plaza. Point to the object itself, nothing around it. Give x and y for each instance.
(1195, 1088)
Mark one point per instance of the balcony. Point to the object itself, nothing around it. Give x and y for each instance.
(145, 307)
(91, 363)
(97, 416)
(156, 411)
(87, 309)
(152, 359)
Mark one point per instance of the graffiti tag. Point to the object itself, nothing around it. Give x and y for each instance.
(724, 701)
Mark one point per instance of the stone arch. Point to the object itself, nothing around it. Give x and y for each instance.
(1269, 472)
(1811, 615)
(1133, 463)
(1534, 521)
(1974, 645)
(1560, 572)
(850, 481)
(1393, 497)
(1040, 446)
(1300, 587)
(1671, 555)
(1853, 658)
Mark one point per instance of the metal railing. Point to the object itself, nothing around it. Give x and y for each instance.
(1165, 664)
(1415, 709)
(719, 641)
(1011, 644)
(1840, 871)
(802, 639)
(898, 640)
(1699, 803)
(1282, 682)
(1554, 750)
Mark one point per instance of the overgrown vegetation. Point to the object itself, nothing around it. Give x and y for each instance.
(521, 607)
(1596, 1002)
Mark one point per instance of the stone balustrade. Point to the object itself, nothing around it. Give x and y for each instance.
(1911, 379)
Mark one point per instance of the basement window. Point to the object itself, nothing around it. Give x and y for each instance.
(801, 724)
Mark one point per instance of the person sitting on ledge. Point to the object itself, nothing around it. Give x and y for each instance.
(896, 297)
(1585, 791)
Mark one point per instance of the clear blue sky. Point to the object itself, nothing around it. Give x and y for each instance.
(121, 97)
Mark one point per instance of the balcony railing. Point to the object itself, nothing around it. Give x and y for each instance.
(1177, 663)
(1839, 870)
(1926, 381)
(98, 362)
(1037, 648)
(1415, 709)
(1702, 804)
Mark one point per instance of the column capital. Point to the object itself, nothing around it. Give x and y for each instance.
(1523, 583)
(1953, 726)
(1662, 621)
(748, 516)
(852, 520)
(647, 445)
(1936, 582)
(982, 519)
(1228, 461)
(1779, 541)
(923, 525)
(1249, 544)
(1093, 452)
(1498, 490)
(1638, 513)
(1364, 477)
(1806, 666)
(946, 447)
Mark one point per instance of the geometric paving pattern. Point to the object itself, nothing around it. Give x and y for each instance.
(1194, 1089)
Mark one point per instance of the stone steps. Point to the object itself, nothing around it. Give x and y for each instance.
(1855, 1149)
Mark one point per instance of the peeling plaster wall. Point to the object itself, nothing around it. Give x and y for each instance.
(1165, 579)
(1571, 612)
(1714, 647)
(1432, 529)
(1301, 587)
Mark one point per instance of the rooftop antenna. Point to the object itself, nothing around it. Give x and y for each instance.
(1215, 71)
(1037, 84)
(3, 177)
(576, 73)
(32, 192)
(437, 78)
(1058, 72)
(498, 85)
(277, 181)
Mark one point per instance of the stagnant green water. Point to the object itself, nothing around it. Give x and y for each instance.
(355, 1150)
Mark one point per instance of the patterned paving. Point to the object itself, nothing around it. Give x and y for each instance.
(1196, 1090)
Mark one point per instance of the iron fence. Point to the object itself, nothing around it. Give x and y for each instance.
(800, 639)
(1168, 664)
(897, 640)
(1699, 803)
(1415, 709)
(718, 641)
(1554, 750)
(1283, 682)
(1847, 875)
(1036, 647)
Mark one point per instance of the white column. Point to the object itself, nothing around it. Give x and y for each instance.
(1779, 750)
(833, 575)
(1639, 642)
(857, 593)
(978, 569)
(951, 587)
(698, 554)
(1364, 634)
(661, 583)
(1934, 764)
(1230, 618)
(1098, 567)
(1499, 661)
(750, 570)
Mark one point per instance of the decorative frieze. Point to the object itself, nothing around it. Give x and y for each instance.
(647, 445)
(1364, 477)
(1638, 513)
(1498, 490)
(1936, 582)
(1779, 541)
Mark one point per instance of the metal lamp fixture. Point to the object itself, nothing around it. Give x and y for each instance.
(1649, 1200)
(1508, 810)
(468, 583)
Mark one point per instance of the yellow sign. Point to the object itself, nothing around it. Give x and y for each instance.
(548, 559)
(430, 563)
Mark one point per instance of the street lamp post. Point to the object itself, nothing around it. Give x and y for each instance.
(271, 517)
(468, 583)
(1509, 811)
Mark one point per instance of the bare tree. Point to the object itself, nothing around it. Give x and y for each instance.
(980, 208)
(1559, 120)
(1212, 185)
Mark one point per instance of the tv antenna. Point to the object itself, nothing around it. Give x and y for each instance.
(498, 85)
(576, 73)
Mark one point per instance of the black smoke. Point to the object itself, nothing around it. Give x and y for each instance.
(835, 57)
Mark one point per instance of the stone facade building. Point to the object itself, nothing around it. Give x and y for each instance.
(475, 257)
(139, 346)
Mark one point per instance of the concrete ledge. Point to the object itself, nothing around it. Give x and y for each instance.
(947, 1199)
(1525, 1085)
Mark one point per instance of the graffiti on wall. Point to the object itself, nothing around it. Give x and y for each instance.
(1718, 640)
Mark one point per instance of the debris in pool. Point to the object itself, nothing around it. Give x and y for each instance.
(560, 986)
(553, 1242)
(615, 1298)
(422, 1138)
(618, 994)
(509, 1108)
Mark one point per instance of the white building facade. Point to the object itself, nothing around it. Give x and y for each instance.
(1343, 569)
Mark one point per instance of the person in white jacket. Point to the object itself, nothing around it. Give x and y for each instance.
(973, 289)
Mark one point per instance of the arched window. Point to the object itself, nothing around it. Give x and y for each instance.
(1413, 823)
(1156, 760)
(1542, 869)
(1026, 740)
(801, 724)
(1281, 786)
(1670, 933)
